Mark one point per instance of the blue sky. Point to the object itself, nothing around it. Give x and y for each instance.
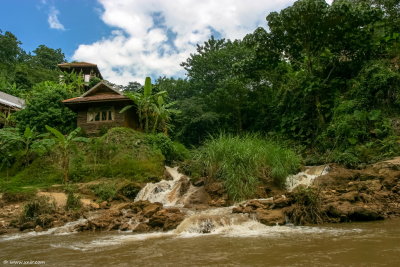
(132, 39)
(28, 20)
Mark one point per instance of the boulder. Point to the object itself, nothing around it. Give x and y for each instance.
(151, 208)
(271, 217)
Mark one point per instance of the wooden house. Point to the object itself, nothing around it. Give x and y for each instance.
(9, 104)
(88, 70)
(99, 109)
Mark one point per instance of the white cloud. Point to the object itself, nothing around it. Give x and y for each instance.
(54, 23)
(155, 36)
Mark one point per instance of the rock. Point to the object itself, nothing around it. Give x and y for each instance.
(150, 209)
(350, 196)
(366, 213)
(281, 202)
(271, 217)
(27, 225)
(166, 219)
(38, 228)
(197, 196)
(142, 228)
(124, 227)
(104, 205)
(185, 185)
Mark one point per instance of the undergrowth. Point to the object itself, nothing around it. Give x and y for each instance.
(243, 162)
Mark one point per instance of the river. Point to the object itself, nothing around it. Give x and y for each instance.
(352, 244)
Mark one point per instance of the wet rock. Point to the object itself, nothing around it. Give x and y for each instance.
(281, 202)
(124, 227)
(166, 219)
(197, 196)
(151, 208)
(185, 185)
(271, 217)
(366, 213)
(27, 225)
(142, 228)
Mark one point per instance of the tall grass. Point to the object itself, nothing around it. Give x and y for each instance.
(243, 162)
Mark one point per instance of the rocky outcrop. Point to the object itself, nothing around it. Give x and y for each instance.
(139, 216)
(267, 211)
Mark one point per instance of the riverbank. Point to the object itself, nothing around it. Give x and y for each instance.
(338, 195)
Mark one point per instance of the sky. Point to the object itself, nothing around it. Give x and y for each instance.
(132, 39)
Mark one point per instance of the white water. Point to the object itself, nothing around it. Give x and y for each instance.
(175, 192)
(306, 177)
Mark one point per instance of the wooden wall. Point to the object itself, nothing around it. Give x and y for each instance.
(126, 119)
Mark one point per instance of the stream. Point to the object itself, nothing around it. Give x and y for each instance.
(209, 237)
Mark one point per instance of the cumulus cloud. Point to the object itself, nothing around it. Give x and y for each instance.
(154, 36)
(52, 19)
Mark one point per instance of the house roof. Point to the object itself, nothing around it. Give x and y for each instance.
(76, 64)
(11, 101)
(101, 92)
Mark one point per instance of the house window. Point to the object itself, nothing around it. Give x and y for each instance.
(100, 114)
(87, 78)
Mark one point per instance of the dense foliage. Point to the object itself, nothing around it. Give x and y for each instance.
(325, 76)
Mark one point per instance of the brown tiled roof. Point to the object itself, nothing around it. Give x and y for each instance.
(96, 98)
(77, 64)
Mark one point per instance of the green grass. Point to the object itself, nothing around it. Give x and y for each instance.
(243, 162)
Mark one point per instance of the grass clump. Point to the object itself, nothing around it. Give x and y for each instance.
(242, 162)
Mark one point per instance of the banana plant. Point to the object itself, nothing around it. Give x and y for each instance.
(162, 113)
(144, 104)
(66, 143)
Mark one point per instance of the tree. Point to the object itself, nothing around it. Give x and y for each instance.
(9, 49)
(47, 57)
(66, 143)
(44, 107)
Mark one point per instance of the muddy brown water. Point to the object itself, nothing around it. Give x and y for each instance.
(353, 244)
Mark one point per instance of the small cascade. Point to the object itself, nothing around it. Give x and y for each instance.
(176, 192)
(306, 177)
(215, 221)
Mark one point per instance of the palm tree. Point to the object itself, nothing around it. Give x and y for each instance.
(65, 143)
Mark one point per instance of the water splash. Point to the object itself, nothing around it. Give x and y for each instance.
(306, 177)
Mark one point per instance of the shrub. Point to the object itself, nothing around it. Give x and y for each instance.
(36, 207)
(129, 190)
(307, 206)
(242, 162)
(172, 151)
(105, 191)
(73, 201)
